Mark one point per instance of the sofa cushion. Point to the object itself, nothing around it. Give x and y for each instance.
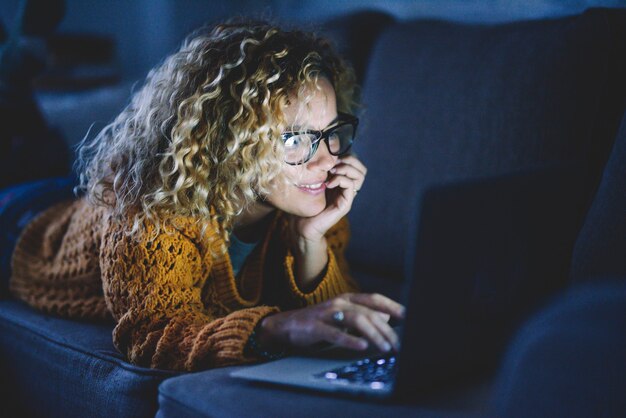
(77, 113)
(469, 101)
(58, 368)
(215, 394)
(569, 361)
(376, 283)
(355, 34)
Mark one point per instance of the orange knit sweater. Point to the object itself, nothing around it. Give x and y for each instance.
(175, 300)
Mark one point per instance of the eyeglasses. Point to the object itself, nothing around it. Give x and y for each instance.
(300, 146)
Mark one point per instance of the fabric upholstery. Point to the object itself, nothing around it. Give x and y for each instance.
(58, 368)
(472, 101)
(354, 36)
(376, 283)
(483, 102)
(215, 394)
(568, 361)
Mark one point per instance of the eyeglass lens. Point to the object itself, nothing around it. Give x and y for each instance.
(299, 148)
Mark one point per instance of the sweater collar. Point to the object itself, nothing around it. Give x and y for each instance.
(248, 292)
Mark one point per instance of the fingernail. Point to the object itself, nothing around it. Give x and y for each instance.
(363, 344)
(333, 170)
(386, 347)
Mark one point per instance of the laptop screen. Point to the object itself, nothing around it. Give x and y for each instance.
(487, 253)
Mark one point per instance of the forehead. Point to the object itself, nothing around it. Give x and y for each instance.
(315, 107)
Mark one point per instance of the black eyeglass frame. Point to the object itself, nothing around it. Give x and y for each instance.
(323, 135)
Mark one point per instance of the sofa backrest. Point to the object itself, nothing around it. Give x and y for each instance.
(446, 102)
(355, 34)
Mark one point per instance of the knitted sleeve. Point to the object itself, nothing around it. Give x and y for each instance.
(336, 280)
(154, 290)
(55, 262)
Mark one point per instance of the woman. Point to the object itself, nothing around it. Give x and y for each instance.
(213, 226)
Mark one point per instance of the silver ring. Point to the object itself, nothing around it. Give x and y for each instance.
(338, 317)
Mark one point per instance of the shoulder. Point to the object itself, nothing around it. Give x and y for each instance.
(154, 258)
(61, 240)
(178, 234)
(65, 221)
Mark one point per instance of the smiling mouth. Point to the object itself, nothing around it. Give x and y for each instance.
(313, 188)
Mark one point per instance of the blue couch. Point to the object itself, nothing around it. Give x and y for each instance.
(443, 102)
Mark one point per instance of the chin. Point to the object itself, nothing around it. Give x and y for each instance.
(311, 209)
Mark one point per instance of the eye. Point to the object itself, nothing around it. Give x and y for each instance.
(293, 141)
(298, 141)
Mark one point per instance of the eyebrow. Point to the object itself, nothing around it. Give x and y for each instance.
(296, 128)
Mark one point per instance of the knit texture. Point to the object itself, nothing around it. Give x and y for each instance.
(175, 300)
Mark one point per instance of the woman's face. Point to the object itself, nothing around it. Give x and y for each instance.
(304, 191)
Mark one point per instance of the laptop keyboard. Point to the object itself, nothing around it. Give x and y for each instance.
(375, 372)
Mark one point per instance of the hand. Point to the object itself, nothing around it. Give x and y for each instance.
(347, 178)
(365, 314)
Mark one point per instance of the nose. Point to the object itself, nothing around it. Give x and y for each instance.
(323, 159)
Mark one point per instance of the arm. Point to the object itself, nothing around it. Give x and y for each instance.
(321, 298)
(154, 290)
(334, 278)
(311, 259)
(318, 242)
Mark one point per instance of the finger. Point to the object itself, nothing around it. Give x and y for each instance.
(380, 303)
(337, 206)
(350, 172)
(328, 315)
(386, 331)
(340, 338)
(341, 181)
(383, 316)
(360, 322)
(344, 302)
(342, 193)
(353, 160)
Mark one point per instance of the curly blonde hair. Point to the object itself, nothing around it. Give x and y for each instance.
(201, 138)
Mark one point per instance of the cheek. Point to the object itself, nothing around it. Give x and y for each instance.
(291, 174)
(288, 198)
(280, 193)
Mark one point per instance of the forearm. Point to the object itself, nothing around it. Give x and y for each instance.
(188, 342)
(310, 259)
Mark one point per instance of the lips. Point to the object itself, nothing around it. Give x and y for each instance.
(312, 188)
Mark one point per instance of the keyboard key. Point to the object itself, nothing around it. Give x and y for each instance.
(375, 372)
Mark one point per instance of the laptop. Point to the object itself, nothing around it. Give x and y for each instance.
(486, 253)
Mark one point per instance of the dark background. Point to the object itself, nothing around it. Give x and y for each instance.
(128, 37)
